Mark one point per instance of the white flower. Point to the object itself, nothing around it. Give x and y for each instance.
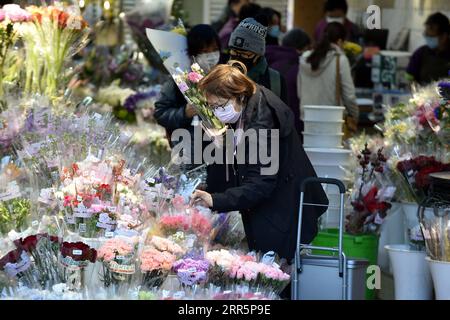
(196, 67)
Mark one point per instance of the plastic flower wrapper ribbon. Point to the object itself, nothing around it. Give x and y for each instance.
(15, 194)
(371, 194)
(52, 36)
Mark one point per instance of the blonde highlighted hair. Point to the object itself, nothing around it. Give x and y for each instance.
(228, 81)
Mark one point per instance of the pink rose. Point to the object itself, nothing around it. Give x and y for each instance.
(15, 13)
(194, 77)
(178, 203)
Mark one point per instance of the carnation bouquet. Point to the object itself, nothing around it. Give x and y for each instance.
(117, 256)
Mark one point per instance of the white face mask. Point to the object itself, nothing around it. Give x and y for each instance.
(338, 20)
(208, 60)
(227, 114)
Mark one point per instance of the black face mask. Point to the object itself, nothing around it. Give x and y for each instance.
(248, 62)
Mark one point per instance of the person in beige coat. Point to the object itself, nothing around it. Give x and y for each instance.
(324, 76)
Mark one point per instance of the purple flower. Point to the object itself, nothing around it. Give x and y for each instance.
(183, 86)
(132, 101)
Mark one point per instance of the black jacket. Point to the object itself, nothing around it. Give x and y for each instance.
(170, 108)
(269, 204)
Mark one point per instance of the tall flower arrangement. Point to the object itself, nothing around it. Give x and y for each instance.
(11, 15)
(52, 36)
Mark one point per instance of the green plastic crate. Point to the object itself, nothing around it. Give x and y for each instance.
(362, 246)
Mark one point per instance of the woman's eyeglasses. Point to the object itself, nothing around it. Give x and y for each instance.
(216, 106)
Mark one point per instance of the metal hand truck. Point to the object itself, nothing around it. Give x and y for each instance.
(321, 277)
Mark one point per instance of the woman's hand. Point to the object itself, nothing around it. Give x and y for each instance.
(202, 198)
(190, 111)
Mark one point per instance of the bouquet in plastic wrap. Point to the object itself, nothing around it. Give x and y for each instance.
(371, 194)
(15, 193)
(415, 171)
(118, 258)
(11, 17)
(52, 36)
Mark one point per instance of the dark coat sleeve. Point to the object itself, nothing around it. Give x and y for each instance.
(170, 108)
(254, 187)
(284, 91)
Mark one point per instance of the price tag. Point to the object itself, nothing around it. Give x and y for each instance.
(109, 234)
(77, 252)
(120, 257)
(35, 223)
(151, 181)
(178, 295)
(192, 270)
(82, 228)
(111, 209)
(79, 198)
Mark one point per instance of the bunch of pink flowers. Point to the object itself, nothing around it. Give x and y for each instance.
(153, 259)
(164, 244)
(112, 248)
(172, 223)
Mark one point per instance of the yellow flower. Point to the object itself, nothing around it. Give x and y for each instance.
(352, 48)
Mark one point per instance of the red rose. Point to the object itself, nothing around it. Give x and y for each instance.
(422, 177)
(29, 243)
(11, 257)
(87, 253)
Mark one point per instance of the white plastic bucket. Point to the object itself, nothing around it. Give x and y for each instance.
(328, 156)
(412, 277)
(323, 127)
(323, 113)
(322, 140)
(440, 272)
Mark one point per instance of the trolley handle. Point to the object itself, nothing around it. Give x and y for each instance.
(309, 180)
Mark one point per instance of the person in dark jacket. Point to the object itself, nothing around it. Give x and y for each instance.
(248, 45)
(285, 59)
(267, 195)
(171, 110)
(336, 11)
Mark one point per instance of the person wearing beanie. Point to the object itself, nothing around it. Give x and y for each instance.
(285, 59)
(247, 44)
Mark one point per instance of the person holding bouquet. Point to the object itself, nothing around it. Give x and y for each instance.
(267, 201)
(171, 110)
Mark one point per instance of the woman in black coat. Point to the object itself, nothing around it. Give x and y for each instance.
(269, 203)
